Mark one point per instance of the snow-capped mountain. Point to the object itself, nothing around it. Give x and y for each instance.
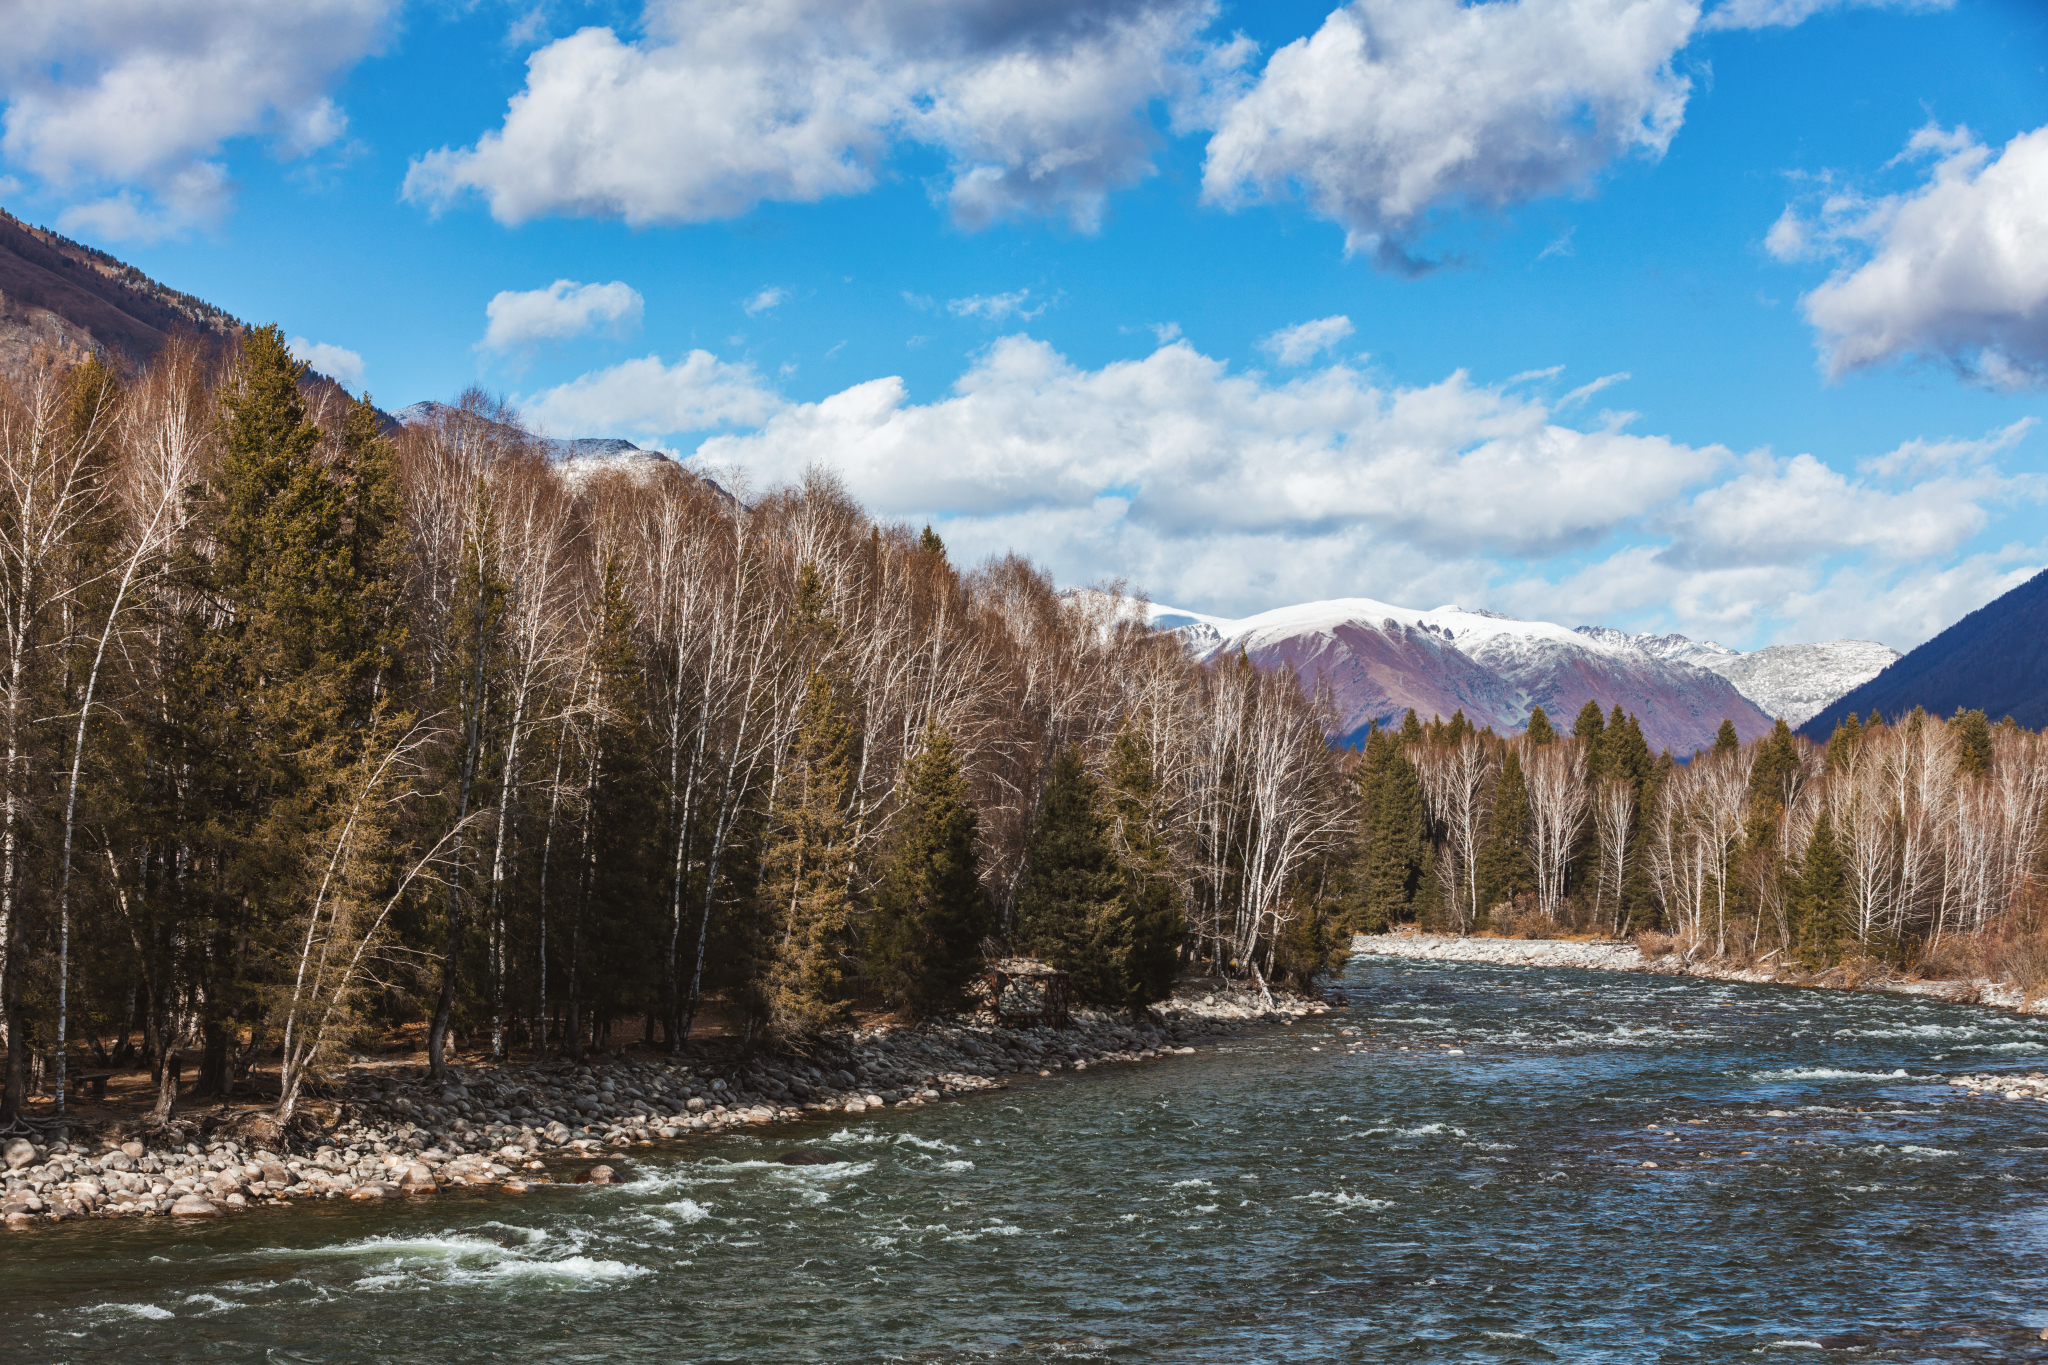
(1380, 659)
(1793, 681)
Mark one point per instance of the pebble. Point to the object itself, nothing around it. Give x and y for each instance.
(394, 1132)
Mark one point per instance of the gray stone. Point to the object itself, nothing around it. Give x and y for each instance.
(19, 1153)
(193, 1206)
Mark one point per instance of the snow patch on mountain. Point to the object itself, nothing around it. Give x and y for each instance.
(1796, 682)
(1379, 659)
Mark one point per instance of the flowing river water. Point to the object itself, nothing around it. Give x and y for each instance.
(1465, 1180)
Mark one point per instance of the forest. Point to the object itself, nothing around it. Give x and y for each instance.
(310, 732)
(313, 733)
(1914, 844)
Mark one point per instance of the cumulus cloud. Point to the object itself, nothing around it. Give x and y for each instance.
(337, 363)
(1038, 109)
(650, 398)
(138, 96)
(1299, 344)
(1234, 492)
(1956, 269)
(565, 309)
(1785, 13)
(1397, 107)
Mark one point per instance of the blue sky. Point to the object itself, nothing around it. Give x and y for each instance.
(1729, 320)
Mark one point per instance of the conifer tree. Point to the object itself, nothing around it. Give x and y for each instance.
(1973, 742)
(1777, 759)
(1822, 904)
(1411, 728)
(1842, 743)
(618, 893)
(1726, 741)
(1540, 729)
(1397, 840)
(930, 912)
(1144, 934)
(476, 622)
(1072, 885)
(1505, 870)
(807, 867)
(286, 671)
(1589, 726)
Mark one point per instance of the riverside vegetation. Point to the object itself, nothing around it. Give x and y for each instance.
(313, 735)
(1915, 846)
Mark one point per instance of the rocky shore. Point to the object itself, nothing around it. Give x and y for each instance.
(1610, 956)
(393, 1132)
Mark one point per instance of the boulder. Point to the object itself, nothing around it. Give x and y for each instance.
(133, 1150)
(418, 1179)
(599, 1175)
(193, 1206)
(374, 1189)
(19, 1153)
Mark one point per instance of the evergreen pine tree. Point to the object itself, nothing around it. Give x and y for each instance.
(1822, 903)
(1397, 842)
(619, 896)
(930, 912)
(1842, 743)
(1144, 935)
(1875, 721)
(1589, 727)
(1505, 870)
(1411, 728)
(1540, 729)
(930, 543)
(1726, 741)
(807, 864)
(1072, 885)
(1973, 742)
(1777, 759)
(283, 675)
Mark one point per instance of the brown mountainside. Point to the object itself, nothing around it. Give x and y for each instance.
(60, 293)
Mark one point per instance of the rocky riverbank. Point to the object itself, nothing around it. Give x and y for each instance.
(1612, 956)
(392, 1132)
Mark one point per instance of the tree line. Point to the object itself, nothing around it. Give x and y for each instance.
(1915, 841)
(310, 730)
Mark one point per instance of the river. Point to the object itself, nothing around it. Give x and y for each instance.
(1464, 1180)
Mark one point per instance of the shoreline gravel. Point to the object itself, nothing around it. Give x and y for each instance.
(393, 1132)
(1610, 956)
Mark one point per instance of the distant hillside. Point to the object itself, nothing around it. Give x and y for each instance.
(1379, 660)
(1994, 660)
(61, 293)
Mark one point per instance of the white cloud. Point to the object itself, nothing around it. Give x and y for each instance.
(1233, 492)
(994, 307)
(1784, 13)
(1922, 456)
(563, 310)
(336, 362)
(1038, 109)
(1397, 107)
(139, 95)
(650, 398)
(1956, 269)
(767, 300)
(1299, 344)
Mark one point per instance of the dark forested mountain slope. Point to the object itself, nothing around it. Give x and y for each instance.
(1994, 660)
(60, 293)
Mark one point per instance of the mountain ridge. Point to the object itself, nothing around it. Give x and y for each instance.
(1994, 660)
(1379, 660)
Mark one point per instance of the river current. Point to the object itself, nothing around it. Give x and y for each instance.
(1466, 1179)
